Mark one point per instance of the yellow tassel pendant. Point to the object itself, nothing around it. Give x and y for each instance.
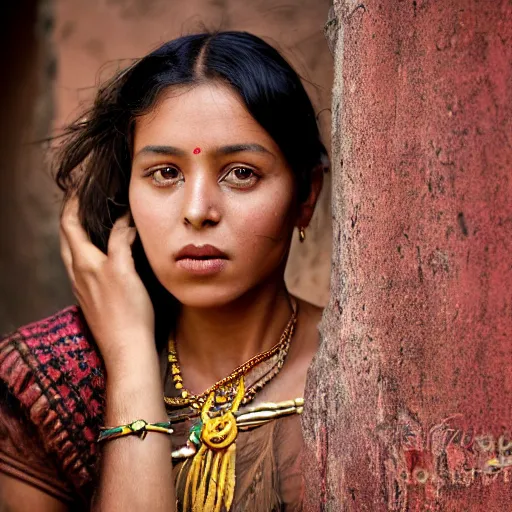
(229, 491)
(203, 484)
(193, 477)
(211, 477)
(226, 486)
(209, 504)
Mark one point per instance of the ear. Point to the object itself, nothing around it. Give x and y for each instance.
(307, 208)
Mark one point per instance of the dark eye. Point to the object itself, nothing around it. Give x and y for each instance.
(241, 177)
(242, 173)
(164, 175)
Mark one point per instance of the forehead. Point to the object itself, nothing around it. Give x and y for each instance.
(206, 114)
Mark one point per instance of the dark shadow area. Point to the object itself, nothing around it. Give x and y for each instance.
(26, 113)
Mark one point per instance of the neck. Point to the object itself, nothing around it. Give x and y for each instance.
(213, 342)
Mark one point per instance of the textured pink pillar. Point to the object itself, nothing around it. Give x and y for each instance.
(410, 397)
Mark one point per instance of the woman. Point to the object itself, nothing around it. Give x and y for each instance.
(184, 185)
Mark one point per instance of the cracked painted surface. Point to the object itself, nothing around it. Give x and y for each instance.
(415, 368)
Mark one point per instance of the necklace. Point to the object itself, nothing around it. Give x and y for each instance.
(224, 390)
(210, 450)
(210, 481)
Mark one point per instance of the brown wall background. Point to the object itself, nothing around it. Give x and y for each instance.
(58, 53)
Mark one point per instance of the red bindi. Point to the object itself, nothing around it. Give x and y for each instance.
(197, 151)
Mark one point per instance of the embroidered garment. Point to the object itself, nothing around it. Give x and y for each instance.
(52, 402)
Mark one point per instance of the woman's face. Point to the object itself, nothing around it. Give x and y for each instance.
(212, 197)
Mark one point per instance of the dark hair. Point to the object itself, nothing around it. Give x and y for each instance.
(95, 158)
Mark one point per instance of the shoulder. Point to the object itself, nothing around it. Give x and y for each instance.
(56, 353)
(67, 321)
(64, 323)
(61, 334)
(53, 369)
(54, 349)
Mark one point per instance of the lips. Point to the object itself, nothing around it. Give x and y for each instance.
(200, 252)
(201, 260)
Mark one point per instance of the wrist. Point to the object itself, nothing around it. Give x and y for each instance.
(138, 359)
(130, 399)
(135, 377)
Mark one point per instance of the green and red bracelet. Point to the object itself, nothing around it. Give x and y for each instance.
(138, 427)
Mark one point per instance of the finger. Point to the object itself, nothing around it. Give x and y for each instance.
(81, 248)
(121, 238)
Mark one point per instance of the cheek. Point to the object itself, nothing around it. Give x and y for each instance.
(266, 221)
(151, 216)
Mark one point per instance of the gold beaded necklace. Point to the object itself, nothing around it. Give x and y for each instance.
(280, 350)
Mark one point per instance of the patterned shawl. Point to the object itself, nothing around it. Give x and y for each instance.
(56, 373)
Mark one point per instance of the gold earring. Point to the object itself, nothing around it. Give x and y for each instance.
(302, 234)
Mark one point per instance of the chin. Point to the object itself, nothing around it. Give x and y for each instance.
(205, 295)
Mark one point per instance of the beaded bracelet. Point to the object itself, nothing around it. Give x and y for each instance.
(138, 427)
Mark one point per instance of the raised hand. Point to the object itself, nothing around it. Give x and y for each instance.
(111, 294)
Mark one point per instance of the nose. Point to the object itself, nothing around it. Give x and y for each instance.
(201, 203)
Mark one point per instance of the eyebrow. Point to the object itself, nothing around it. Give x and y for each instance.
(223, 150)
(239, 148)
(162, 150)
